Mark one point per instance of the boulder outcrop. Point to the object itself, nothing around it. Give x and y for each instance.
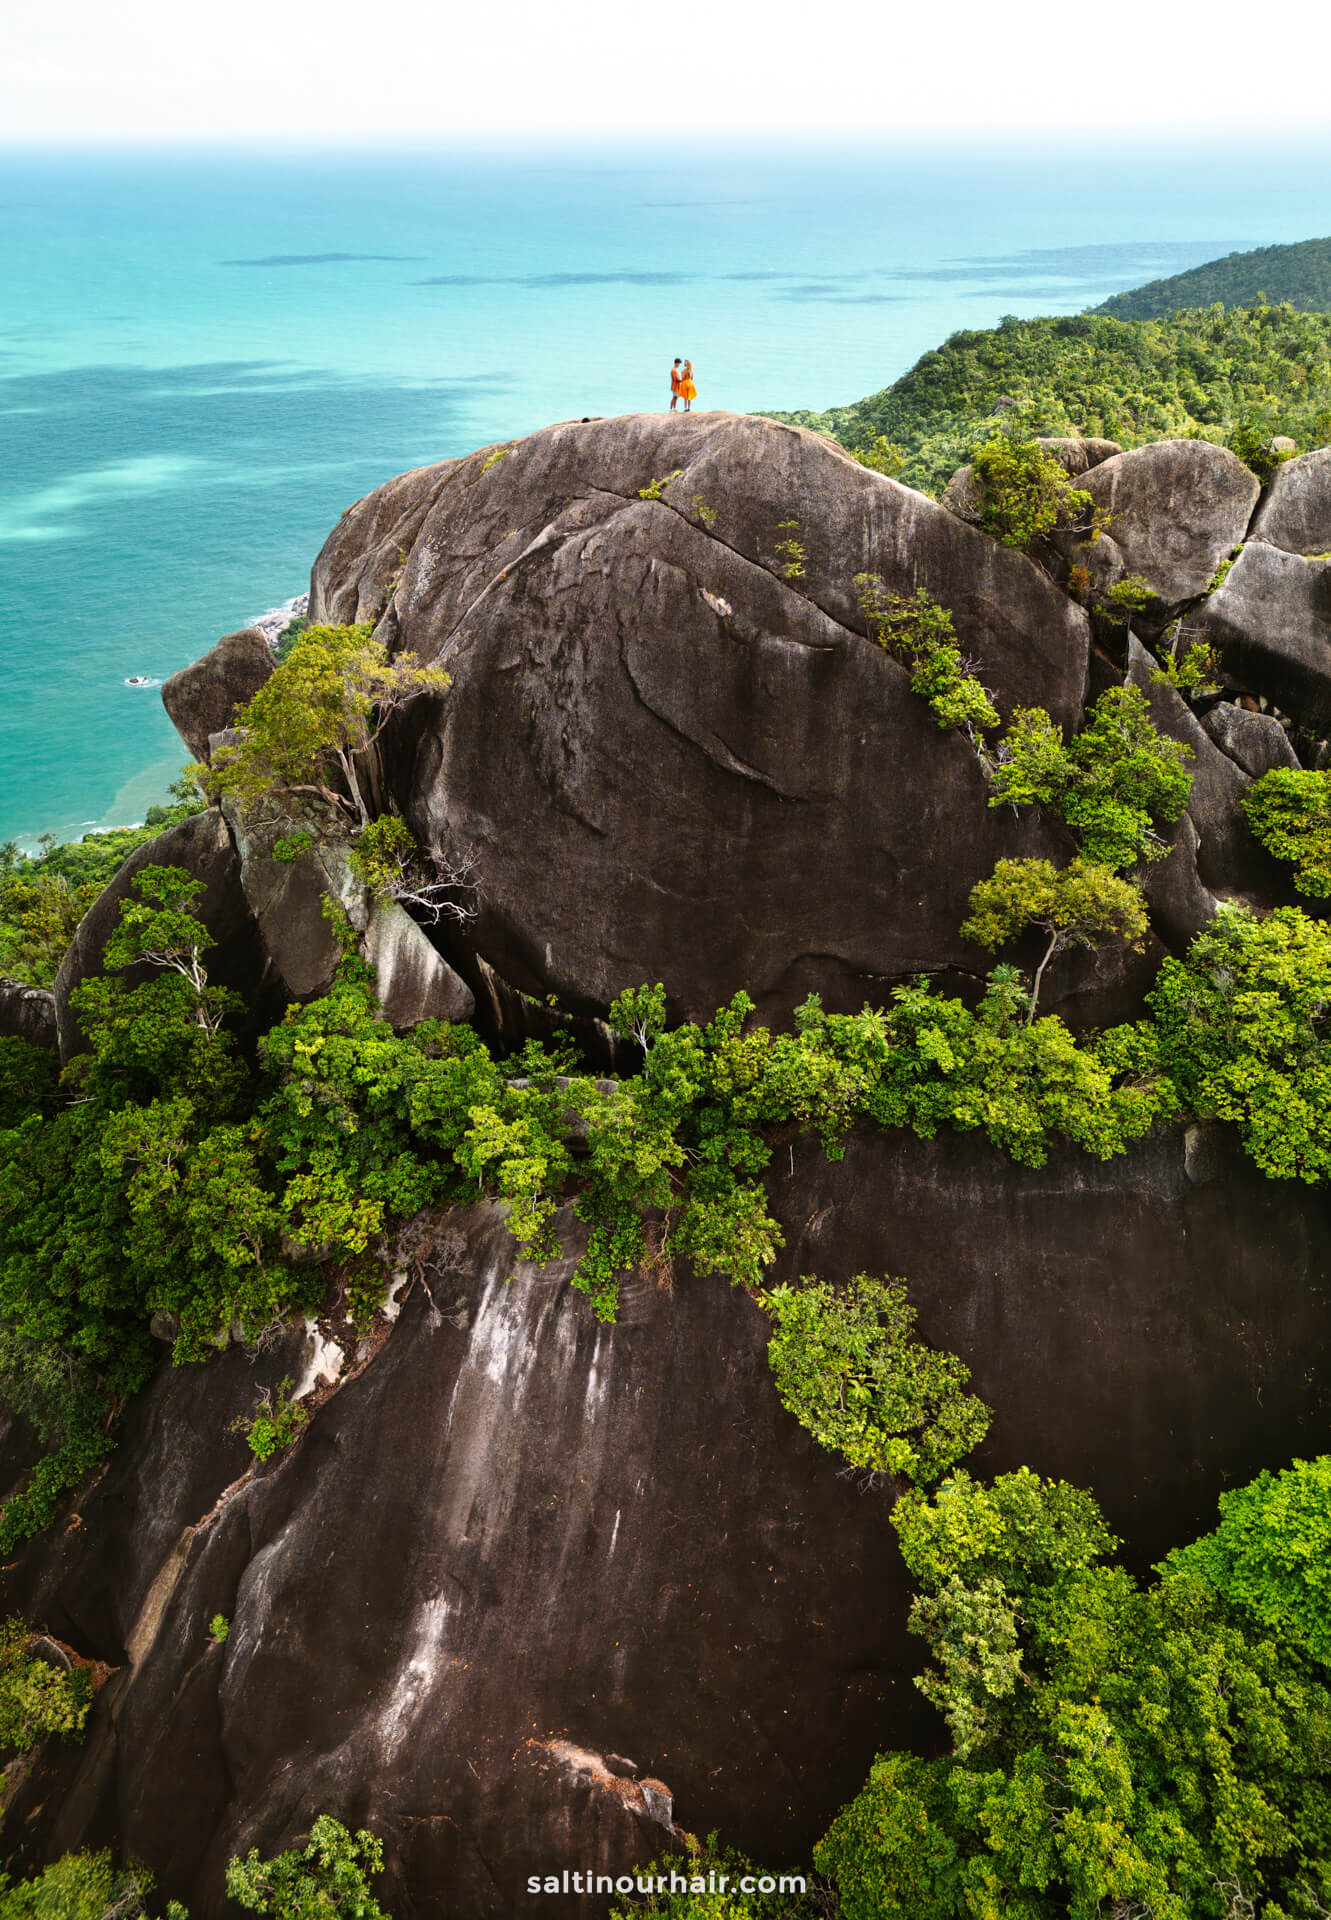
(1256, 742)
(668, 742)
(28, 1013)
(202, 699)
(1296, 513)
(288, 869)
(1176, 509)
(1270, 621)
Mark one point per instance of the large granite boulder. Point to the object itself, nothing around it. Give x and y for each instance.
(1296, 513)
(203, 845)
(1176, 509)
(527, 1580)
(1270, 621)
(668, 741)
(28, 1013)
(202, 699)
(1256, 742)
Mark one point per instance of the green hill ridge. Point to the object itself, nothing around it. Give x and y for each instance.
(1197, 374)
(1299, 275)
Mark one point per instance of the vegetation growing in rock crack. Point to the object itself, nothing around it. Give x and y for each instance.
(1289, 811)
(275, 1422)
(37, 1698)
(1025, 493)
(919, 632)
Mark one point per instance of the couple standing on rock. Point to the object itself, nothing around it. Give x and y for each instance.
(681, 385)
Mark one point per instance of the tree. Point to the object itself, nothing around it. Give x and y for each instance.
(1115, 783)
(393, 866)
(1289, 811)
(1117, 1749)
(159, 927)
(1242, 1024)
(851, 1368)
(318, 717)
(327, 1879)
(1079, 905)
(1270, 1557)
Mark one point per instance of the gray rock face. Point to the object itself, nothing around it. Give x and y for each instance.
(28, 1013)
(1254, 741)
(202, 699)
(1228, 858)
(1271, 624)
(1296, 513)
(557, 1543)
(203, 846)
(1178, 508)
(673, 762)
(286, 897)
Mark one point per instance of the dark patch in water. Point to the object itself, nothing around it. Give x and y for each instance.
(316, 259)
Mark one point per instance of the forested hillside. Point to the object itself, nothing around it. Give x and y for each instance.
(1299, 275)
(1198, 374)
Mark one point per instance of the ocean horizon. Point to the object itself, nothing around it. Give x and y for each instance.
(206, 356)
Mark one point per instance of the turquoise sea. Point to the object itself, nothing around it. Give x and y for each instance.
(204, 357)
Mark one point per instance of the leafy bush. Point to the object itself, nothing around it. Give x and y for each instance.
(850, 1367)
(1025, 493)
(1115, 1748)
(327, 1879)
(1289, 811)
(1196, 671)
(81, 1886)
(219, 1629)
(1115, 784)
(35, 1697)
(1242, 1032)
(1252, 439)
(919, 632)
(274, 1426)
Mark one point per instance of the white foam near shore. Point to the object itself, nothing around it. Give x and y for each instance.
(273, 624)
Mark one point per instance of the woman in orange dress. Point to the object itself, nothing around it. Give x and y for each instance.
(688, 392)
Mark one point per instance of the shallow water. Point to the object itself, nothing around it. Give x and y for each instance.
(205, 358)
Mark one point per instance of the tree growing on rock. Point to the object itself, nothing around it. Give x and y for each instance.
(1115, 784)
(314, 724)
(1026, 493)
(394, 867)
(1080, 906)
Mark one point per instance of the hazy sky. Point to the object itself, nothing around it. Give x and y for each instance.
(89, 69)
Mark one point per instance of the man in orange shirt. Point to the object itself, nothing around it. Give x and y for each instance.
(674, 386)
